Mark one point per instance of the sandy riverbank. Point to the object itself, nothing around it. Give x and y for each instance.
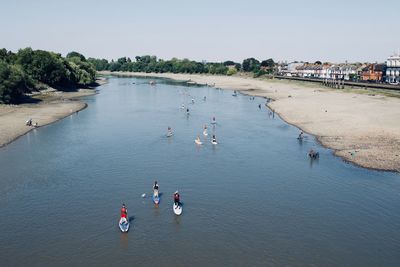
(53, 106)
(361, 128)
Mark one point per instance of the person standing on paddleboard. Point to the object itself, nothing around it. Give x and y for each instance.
(124, 211)
(155, 189)
(176, 198)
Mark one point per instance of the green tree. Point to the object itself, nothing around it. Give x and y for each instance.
(13, 83)
(76, 54)
(251, 64)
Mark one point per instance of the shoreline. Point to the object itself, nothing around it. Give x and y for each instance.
(359, 126)
(53, 106)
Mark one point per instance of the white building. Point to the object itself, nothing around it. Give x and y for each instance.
(393, 69)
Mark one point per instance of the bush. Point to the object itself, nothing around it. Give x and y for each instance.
(231, 71)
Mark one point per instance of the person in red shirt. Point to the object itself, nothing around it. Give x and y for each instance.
(124, 211)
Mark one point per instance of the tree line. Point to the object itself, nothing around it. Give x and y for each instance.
(30, 70)
(152, 64)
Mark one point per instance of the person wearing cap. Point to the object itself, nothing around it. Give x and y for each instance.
(124, 211)
(176, 198)
(155, 189)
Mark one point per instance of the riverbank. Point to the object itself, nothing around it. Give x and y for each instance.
(360, 127)
(52, 106)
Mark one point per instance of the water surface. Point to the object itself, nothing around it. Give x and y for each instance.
(255, 199)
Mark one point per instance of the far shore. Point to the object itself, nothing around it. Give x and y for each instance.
(53, 105)
(360, 126)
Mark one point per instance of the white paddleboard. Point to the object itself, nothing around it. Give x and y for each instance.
(198, 142)
(214, 143)
(205, 133)
(170, 134)
(123, 225)
(177, 209)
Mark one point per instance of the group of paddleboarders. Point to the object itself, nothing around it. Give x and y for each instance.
(156, 188)
(198, 140)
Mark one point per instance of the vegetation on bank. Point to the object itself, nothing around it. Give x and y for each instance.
(31, 70)
(152, 64)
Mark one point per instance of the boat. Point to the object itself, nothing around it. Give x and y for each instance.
(123, 225)
(177, 209)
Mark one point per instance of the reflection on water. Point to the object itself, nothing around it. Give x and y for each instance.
(255, 199)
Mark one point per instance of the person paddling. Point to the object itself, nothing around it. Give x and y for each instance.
(177, 198)
(155, 189)
(169, 131)
(124, 211)
(214, 139)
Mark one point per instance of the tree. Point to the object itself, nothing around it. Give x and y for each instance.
(13, 83)
(76, 54)
(250, 64)
(229, 63)
(268, 63)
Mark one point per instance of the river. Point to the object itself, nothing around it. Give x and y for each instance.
(255, 199)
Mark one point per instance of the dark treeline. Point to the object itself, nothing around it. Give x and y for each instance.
(29, 70)
(152, 64)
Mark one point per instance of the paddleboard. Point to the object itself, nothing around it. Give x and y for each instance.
(177, 209)
(156, 199)
(198, 142)
(170, 134)
(123, 225)
(205, 133)
(214, 143)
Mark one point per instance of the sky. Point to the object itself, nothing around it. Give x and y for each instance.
(211, 30)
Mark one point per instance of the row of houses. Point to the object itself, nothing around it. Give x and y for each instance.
(388, 72)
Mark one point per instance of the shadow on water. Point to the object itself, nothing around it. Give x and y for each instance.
(131, 219)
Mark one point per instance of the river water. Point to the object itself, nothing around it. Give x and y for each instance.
(255, 199)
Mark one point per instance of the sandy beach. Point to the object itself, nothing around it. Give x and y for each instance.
(53, 106)
(361, 127)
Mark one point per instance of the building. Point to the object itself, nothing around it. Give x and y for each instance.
(373, 73)
(393, 69)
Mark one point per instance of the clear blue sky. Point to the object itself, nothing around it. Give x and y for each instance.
(213, 30)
